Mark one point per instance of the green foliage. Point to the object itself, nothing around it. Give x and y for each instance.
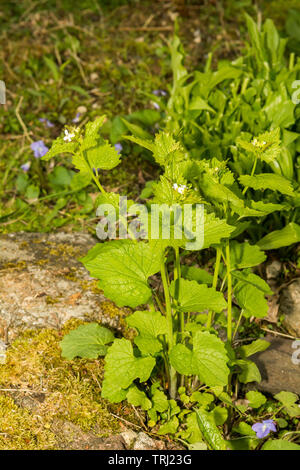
(88, 341)
(208, 359)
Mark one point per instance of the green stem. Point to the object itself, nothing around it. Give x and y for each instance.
(252, 173)
(214, 284)
(169, 319)
(229, 293)
(177, 276)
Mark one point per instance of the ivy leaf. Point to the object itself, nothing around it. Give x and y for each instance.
(122, 368)
(268, 181)
(149, 325)
(210, 431)
(256, 399)
(208, 359)
(160, 401)
(137, 397)
(194, 297)
(244, 255)
(170, 427)
(123, 268)
(87, 341)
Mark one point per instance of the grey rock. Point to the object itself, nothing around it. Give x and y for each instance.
(144, 442)
(273, 269)
(129, 438)
(42, 283)
(290, 306)
(279, 366)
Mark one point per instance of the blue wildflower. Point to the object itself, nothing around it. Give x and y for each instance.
(155, 105)
(25, 167)
(76, 118)
(39, 148)
(47, 122)
(159, 92)
(263, 429)
(118, 147)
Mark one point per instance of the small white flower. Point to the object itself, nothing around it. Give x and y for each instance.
(264, 143)
(68, 136)
(254, 142)
(179, 188)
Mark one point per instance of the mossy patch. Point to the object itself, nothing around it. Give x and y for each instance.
(69, 391)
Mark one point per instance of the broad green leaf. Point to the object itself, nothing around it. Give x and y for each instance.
(160, 401)
(101, 156)
(136, 130)
(256, 399)
(219, 415)
(122, 368)
(123, 268)
(199, 104)
(286, 236)
(58, 147)
(253, 280)
(87, 341)
(280, 444)
(137, 397)
(289, 399)
(149, 325)
(215, 230)
(191, 273)
(244, 255)
(146, 143)
(194, 297)
(210, 431)
(192, 433)
(249, 371)
(268, 181)
(251, 299)
(256, 346)
(208, 359)
(92, 127)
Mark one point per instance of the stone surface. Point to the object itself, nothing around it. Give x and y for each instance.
(129, 438)
(144, 442)
(279, 367)
(42, 283)
(290, 307)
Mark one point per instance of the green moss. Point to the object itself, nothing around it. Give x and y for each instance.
(19, 429)
(71, 392)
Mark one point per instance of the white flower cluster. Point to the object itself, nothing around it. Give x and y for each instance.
(180, 188)
(70, 135)
(258, 144)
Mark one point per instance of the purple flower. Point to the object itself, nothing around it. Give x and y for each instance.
(118, 147)
(155, 105)
(263, 429)
(159, 93)
(39, 148)
(76, 118)
(48, 123)
(25, 167)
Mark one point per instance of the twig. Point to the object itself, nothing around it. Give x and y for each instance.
(279, 334)
(142, 28)
(139, 418)
(26, 134)
(125, 421)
